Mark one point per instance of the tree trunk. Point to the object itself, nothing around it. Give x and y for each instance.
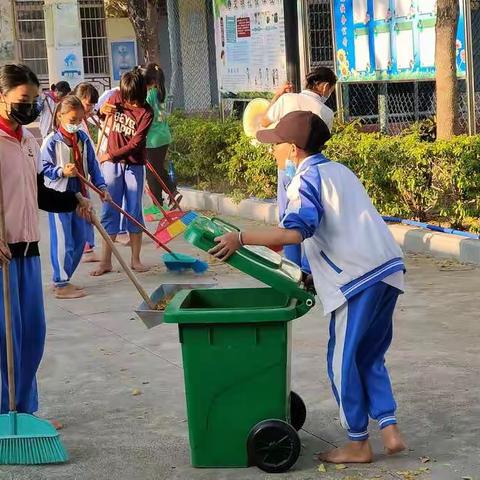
(446, 66)
(145, 18)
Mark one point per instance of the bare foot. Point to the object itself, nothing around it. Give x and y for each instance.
(354, 452)
(102, 269)
(139, 267)
(56, 423)
(392, 440)
(77, 287)
(69, 292)
(90, 257)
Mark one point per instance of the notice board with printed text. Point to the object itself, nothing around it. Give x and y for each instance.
(250, 45)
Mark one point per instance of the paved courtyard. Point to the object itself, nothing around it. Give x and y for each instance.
(98, 354)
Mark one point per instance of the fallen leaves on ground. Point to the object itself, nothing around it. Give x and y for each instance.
(136, 392)
(340, 466)
(322, 469)
(425, 459)
(413, 474)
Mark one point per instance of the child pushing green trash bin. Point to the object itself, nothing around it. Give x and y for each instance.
(358, 273)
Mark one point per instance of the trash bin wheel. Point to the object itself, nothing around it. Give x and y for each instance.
(298, 411)
(273, 446)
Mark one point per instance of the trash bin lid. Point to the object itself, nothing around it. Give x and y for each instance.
(261, 263)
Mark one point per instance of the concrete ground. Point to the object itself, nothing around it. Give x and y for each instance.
(98, 353)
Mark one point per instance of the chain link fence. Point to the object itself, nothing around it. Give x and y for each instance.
(393, 107)
(189, 40)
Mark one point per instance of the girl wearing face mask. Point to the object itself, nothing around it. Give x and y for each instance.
(320, 84)
(65, 153)
(24, 192)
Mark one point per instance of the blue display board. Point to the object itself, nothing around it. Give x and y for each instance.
(124, 57)
(378, 40)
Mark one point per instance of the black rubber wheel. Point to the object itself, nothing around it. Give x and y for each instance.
(273, 446)
(298, 411)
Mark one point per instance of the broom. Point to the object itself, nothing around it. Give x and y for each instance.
(173, 261)
(24, 439)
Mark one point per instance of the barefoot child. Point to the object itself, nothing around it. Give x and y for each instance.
(65, 153)
(123, 165)
(358, 273)
(24, 193)
(88, 95)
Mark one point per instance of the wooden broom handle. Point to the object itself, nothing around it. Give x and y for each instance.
(102, 134)
(7, 310)
(163, 185)
(123, 212)
(122, 262)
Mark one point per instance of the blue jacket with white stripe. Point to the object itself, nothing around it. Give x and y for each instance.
(347, 243)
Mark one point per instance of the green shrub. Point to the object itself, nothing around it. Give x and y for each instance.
(250, 169)
(404, 175)
(197, 147)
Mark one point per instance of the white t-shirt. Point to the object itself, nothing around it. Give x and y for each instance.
(306, 101)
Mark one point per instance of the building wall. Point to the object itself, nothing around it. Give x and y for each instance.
(119, 29)
(8, 52)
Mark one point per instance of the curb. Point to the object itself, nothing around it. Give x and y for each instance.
(410, 239)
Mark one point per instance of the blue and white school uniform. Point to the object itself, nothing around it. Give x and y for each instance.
(358, 273)
(68, 232)
(90, 233)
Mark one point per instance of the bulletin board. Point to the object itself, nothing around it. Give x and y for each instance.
(380, 40)
(250, 45)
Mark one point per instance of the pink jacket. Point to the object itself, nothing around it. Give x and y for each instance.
(19, 163)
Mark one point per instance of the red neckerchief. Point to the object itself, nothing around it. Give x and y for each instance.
(52, 95)
(77, 156)
(17, 134)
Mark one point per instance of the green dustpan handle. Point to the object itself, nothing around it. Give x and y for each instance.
(226, 224)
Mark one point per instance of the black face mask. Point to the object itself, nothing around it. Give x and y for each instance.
(24, 113)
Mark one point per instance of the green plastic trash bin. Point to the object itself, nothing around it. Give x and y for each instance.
(236, 360)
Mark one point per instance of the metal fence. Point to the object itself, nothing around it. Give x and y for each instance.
(94, 37)
(390, 107)
(30, 27)
(191, 45)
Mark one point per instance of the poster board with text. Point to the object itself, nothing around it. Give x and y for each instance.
(250, 45)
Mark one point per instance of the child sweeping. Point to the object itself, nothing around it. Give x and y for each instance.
(358, 273)
(47, 106)
(159, 136)
(65, 153)
(24, 193)
(88, 95)
(123, 165)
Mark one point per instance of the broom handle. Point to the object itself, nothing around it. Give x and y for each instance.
(163, 185)
(7, 308)
(102, 134)
(123, 212)
(122, 262)
(157, 204)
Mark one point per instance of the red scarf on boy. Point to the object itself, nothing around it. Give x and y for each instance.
(77, 157)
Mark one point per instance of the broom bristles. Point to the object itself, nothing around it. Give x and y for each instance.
(37, 450)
